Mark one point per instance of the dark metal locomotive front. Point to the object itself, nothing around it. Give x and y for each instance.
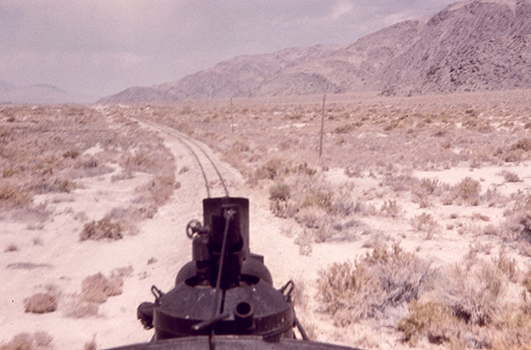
(225, 289)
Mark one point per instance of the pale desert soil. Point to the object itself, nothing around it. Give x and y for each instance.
(50, 253)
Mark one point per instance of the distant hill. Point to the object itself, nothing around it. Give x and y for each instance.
(41, 93)
(469, 46)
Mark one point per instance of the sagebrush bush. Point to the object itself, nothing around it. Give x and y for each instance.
(425, 223)
(319, 197)
(426, 188)
(517, 226)
(279, 191)
(98, 288)
(372, 286)
(271, 170)
(304, 241)
(28, 341)
(13, 197)
(522, 144)
(391, 209)
(81, 309)
(102, 229)
(432, 320)
(468, 191)
(468, 309)
(41, 303)
(509, 176)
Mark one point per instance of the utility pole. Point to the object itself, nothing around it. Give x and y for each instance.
(322, 128)
(231, 116)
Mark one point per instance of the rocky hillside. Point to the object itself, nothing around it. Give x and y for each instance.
(469, 46)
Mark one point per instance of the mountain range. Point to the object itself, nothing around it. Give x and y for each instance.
(39, 93)
(469, 46)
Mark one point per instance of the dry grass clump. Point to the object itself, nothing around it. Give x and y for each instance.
(102, 229)
(375, 286)
(98, 288)
(41, 303)
(28, 341)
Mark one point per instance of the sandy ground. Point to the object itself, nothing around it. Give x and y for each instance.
(53, 255)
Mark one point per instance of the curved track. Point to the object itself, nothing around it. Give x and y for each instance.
(197, 152)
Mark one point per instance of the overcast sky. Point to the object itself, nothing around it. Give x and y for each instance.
(100, 47)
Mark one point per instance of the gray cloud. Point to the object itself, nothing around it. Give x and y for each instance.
(99, 47)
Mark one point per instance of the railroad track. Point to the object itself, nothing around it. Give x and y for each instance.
(206, 164)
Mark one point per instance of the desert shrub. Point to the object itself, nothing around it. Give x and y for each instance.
(347, 128)
(399, 183)
(28, 341)
(280, 203)
(517, 226)
(506, 265)
(304, 169)
(373, 286)
(12, 247)
(81, 309)
(467, 309)
(240, 146)
(474, 294)
(391, 209)
(344, 204)
(320, 197)
(310, 217)
(272, 169)
(522, 144)
(279, 191)
(425, 223)
(158, 190)
(304, 241)
(102, 229)
(509, 176)
(522, 201)
(140, 161)
(73, 154)
(325, 230)
(468, 191)
(40, 303)
(12, 197)
(425, 189)
(54, 185)
(91, 345)
(300, 295)
(432, 320)
(98, 288)
(352, 171)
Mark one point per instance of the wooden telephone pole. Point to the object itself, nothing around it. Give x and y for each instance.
(322, 128)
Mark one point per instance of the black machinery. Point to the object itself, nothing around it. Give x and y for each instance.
(224, 298)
